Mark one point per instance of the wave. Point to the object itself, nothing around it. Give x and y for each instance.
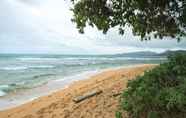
(142, 58)
(19, 86)
(115, 58)
(36, 59)
(42, 66)
(43, 75)
(14, 68)
(104, 61)
(86, 58)
(3, 86)
(2, 93)
(2, 90)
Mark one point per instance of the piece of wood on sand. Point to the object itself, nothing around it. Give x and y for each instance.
(87, 95)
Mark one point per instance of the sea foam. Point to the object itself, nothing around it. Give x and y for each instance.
(2, 93)
(14, 68)
(3, 87)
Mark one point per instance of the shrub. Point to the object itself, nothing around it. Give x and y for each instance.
(118, 114)
(160, 92)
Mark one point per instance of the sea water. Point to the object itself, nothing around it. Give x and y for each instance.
(20, 73)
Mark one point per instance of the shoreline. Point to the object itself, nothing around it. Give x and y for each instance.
(75, 88)
(25, 96)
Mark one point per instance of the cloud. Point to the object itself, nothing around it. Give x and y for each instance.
(44, 26)
(31, 2)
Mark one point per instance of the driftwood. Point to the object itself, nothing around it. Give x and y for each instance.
(116, 94)
(86, 96)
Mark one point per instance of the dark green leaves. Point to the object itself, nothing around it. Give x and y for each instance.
(160, 92)
(161, 17)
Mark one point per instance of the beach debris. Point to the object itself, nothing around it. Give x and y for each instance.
(87, 95)
(116, 94)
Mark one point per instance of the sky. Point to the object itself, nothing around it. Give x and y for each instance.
(44, 26)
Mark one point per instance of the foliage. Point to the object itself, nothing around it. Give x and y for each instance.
(118, 114)
(160, 92)
(158, 17)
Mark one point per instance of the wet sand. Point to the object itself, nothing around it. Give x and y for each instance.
(60, 104)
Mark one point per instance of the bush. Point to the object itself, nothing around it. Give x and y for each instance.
(159, 93)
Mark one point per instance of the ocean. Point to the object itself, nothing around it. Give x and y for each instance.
(22, 74)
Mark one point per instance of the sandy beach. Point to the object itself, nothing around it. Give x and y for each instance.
(60, 104)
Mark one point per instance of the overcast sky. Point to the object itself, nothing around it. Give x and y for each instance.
(44, 26)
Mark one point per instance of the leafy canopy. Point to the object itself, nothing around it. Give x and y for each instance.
(160, 92)
(158, 17)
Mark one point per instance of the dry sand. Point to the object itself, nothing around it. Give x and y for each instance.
(60, 104)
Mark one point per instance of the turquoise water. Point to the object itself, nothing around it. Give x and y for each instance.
(22, 72)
